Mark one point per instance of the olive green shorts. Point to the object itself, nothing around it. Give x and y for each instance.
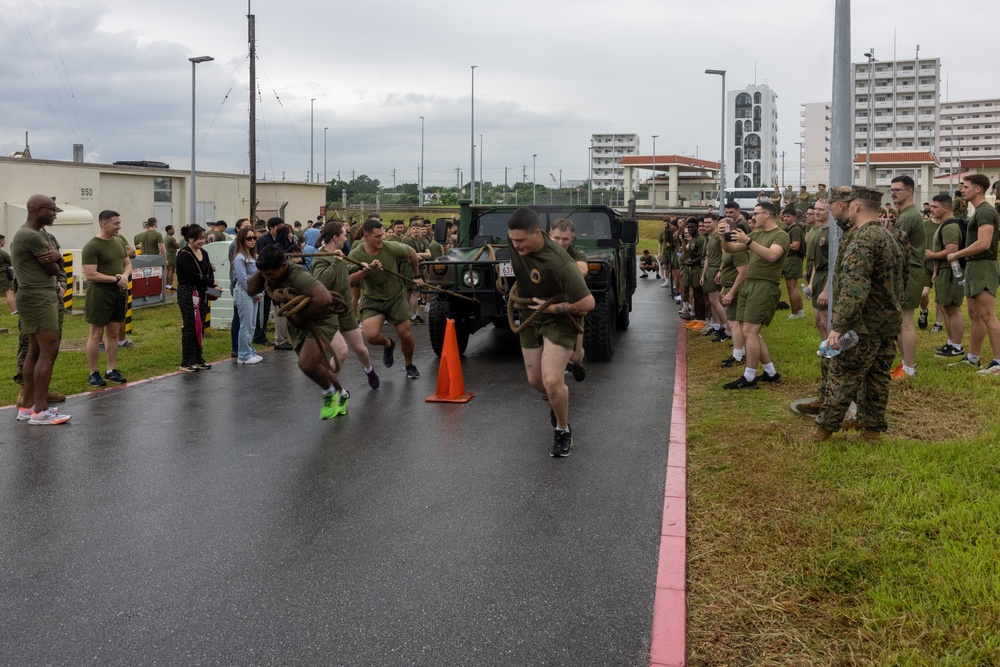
(710, 284)
(819, 284)
(6, 284)
(947, 290)
(396, 311)
(914, 288)
(792, 268)
(981, 274)
(686, 276)
(758, 301)
(300, 336)
(101, 304)
(556, 329)
(928, 277)
(348, 321)
(38, 309)
(731, 308)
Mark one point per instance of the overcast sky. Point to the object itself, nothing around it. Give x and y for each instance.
(114, 76)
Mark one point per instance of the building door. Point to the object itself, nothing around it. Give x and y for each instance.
(205, 212)
(164, 214)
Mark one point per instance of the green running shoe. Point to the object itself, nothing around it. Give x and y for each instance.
(330, 407)
(345, 396)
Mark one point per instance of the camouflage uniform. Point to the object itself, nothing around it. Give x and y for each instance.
(22, 338)
(867, 287)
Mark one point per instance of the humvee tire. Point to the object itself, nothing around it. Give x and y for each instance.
(437, 324)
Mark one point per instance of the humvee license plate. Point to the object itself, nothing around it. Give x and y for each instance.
(505, 269)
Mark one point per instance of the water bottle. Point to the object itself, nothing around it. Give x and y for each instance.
(847, 340)
(956, 269)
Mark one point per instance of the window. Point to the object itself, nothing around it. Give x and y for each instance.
(162, 189)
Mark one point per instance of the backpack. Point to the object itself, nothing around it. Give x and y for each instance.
(963, 225)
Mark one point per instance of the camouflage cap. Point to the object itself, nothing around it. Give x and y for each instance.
(857, 192)
(840, 193)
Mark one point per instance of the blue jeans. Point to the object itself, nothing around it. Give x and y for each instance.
(247, 308)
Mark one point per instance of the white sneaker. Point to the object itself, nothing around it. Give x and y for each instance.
(49, 416)
(23, 414)
(663, 284)
(255, 359)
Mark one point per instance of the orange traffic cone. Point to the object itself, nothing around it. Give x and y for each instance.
(450, 385)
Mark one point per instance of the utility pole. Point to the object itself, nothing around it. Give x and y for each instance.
(782, 171)
(253, 117)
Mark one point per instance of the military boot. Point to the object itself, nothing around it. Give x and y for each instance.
(818, 434)
(870, 436)
(813, 407)
(851, 425)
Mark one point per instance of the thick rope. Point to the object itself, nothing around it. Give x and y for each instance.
(290, 301)
(514, 300)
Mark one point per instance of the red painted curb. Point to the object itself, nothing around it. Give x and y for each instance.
(668, 645)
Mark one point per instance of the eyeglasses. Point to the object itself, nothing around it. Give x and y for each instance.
(899, 189)
(251, 238)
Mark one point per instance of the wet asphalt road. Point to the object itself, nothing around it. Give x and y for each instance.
(212, 518)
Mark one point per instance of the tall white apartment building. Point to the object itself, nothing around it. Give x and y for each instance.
(969, 130)
(904, 97)
(605, 158)
(752, 148)
(815, 149)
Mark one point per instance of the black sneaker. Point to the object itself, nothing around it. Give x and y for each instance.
(115, 376)
(284, 347)
(411, 372)
(204, 367)
(937, 328)
(416, 320)
(922, 319)
(95, 380)
(657, 276)
(579, 372)
(263, 341)
(741, 383)
(373, 381)
(709, 331)
(644, 276)
(193, 368)
(949, 351)
(722, 336)
(732, 361)
(773, 379)
(561, 444)
(387, 354)
(783, 305)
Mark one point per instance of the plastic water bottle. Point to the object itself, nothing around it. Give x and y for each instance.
(956, 269)
(847, 340)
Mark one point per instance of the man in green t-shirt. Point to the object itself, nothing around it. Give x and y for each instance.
(734, 272)
(982, 274)
(930, 229)
(711, 277)
(151, 241)
(418, 241)
(563, 232)
(910, 223)
(758, 297)
(384, 295)
(36, 265)
(792, 269)
(542, 270)
(275, 272)
(107, 268)
(7, 276)
(170, 248)
(949, 292)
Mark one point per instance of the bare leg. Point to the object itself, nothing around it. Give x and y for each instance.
(954, 323)
(356, 342)
(111, 343)
(93, 346)
(372, 329)
(751, 334)
(907, 340)
(406, 341)
(47, 343)
(312, 362)
(553, 366)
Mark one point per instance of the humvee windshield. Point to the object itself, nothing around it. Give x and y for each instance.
(589, 225)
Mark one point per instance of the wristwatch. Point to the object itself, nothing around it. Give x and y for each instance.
(117, 278)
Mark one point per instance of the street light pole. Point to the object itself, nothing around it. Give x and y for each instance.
(420, 203)
(722, 156)
(194, 199)
(481, 169)
(590, 175)
(799, 144)
(312, 144)
(472, 137)
(534, 193)
(871, 117)
(654, 170)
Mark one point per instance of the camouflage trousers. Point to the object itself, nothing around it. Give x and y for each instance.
(22, 346)
(860, 374)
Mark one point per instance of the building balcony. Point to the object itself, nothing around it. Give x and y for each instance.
(884, 134)
(927, 103)
(905, 134)
(886, 104)
(925, 134)
(926, 117)
(861, 105)
(861, 135)
(927, 88)
(859, 75)
(906, 88)
(906, 118)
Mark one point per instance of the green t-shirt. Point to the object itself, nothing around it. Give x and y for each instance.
(713, 256)
(332, 272)
(812, 235)
(170, 246)
(821, 253)
(28, 243)
(757, 268)
(381, 288)
(436, 249)
(948, 232)
(731, 262)
(4, 262)
(983, 215)
(302, 281)
(930, 229)
(695, 250)
(108, 255)
(150, 241)
(547, 272)
(912, 222)
(578, 254)
(795, 235)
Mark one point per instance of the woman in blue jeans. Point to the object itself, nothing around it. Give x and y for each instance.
(244, 266)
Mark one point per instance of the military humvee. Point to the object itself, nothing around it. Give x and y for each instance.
(479, 266)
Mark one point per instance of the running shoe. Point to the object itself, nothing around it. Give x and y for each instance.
(373, 381)
(345, 396)
(24, 414)
(742, 383)
(992, 369)
(732, 361)
(922, 319)
(562, 443)
(579, 372)
(49, 416)
(937, 328)
(255, 359)
(192, 368)
(898, 373)
(95, 380)
(387, 359)
(115, 376)
(284, 347)
(416, 320)
(202, 366)
(331, 408)
(947, 350)
(773, 379)
(411, 372)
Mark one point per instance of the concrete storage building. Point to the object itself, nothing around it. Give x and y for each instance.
(752, 147)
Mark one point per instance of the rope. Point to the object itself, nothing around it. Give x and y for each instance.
(291, 301)
(514, 300)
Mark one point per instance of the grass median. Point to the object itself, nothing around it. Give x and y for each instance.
(842, 553)
(156, 339)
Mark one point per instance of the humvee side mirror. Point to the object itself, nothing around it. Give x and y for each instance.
(441, 230)
(630, 231)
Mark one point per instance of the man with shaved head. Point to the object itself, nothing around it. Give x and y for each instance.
(36, 265)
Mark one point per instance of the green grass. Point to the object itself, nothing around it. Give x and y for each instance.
(842, 553)
(156, 336)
